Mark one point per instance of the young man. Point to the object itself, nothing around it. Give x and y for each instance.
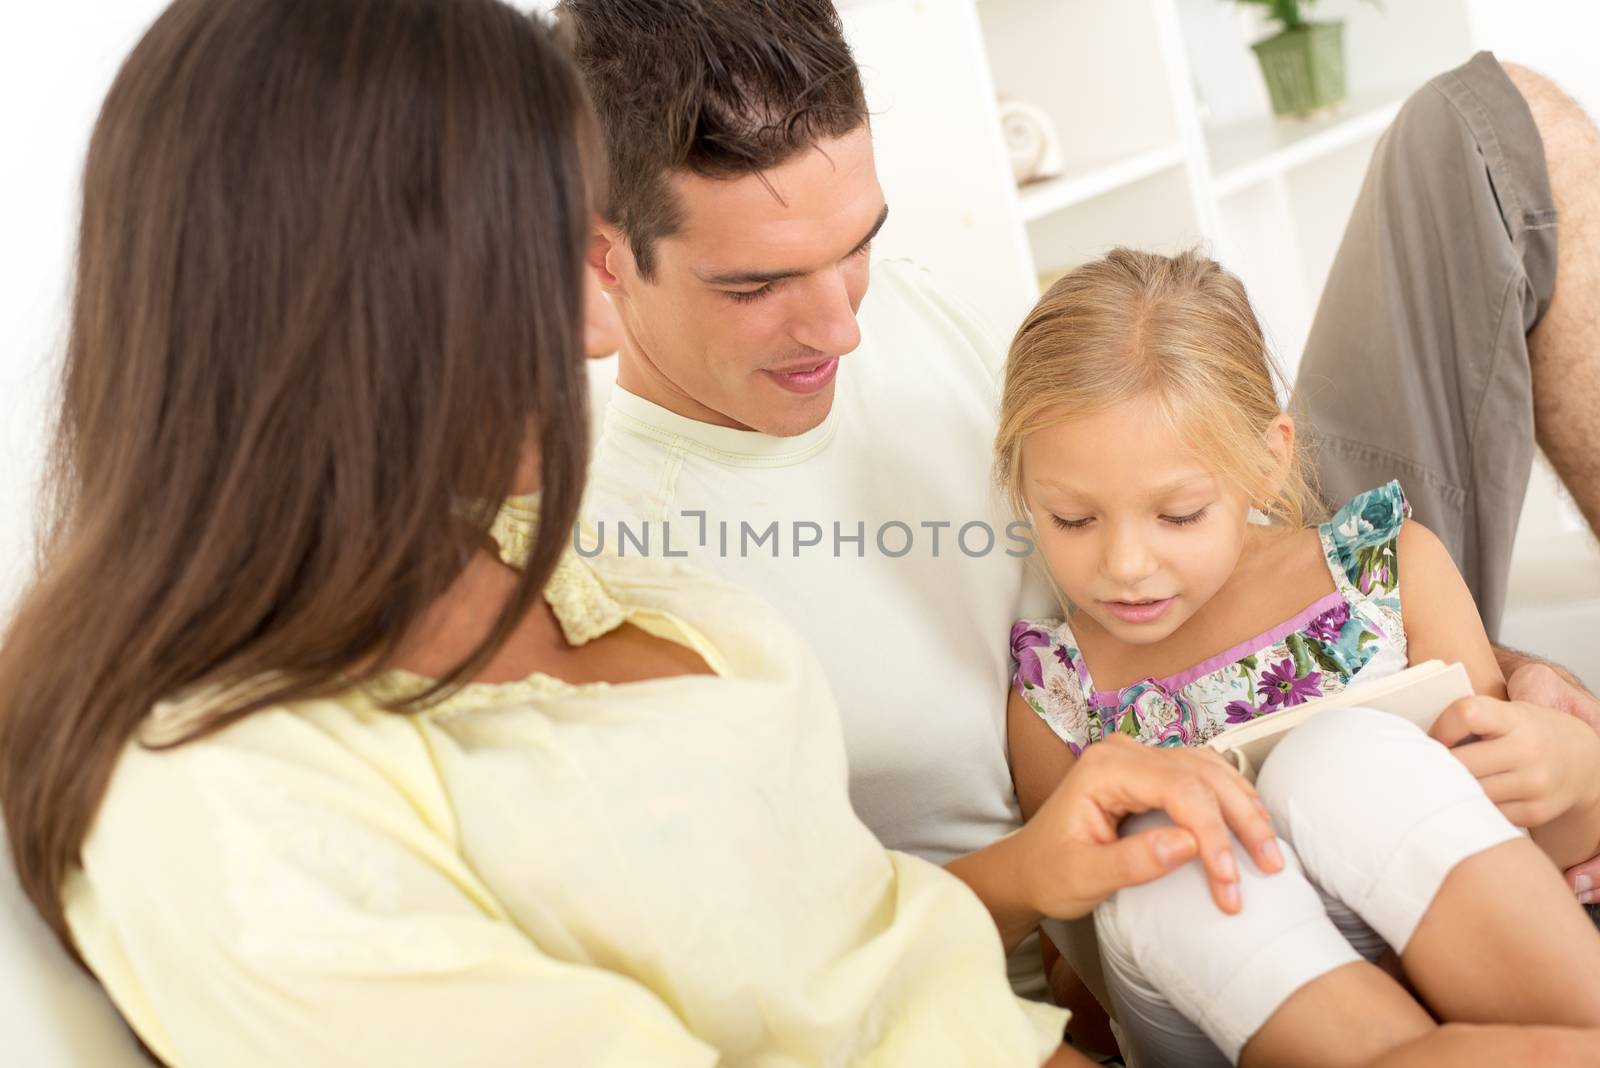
(779, 426)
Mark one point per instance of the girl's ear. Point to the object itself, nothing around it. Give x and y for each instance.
(1280, 442)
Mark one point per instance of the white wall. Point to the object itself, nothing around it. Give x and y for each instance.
(1556, 37)
(57, 62)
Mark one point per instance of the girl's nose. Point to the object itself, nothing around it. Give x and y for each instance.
(1128, 561)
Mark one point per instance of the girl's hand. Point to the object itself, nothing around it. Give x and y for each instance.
(1540, 767)
(1073, 858)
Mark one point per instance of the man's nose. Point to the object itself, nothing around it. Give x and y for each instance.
(827, 322)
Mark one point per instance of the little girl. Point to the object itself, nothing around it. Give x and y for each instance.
(1142, 437)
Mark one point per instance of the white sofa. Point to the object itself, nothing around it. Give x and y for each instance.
(52, 1013)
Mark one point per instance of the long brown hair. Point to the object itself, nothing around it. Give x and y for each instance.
(328, 287)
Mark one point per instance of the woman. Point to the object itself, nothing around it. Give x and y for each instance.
(314, 755)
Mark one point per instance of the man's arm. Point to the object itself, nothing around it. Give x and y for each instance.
(1539, 682)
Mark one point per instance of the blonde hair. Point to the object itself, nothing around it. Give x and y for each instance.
(1178, 329)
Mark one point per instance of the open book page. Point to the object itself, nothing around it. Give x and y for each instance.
(1420, 693)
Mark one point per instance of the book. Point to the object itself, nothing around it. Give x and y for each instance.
(1420, 694)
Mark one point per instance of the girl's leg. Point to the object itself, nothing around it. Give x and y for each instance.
(1385, 820)
(1504, 942)
(1467, 1046)
(1191, 986)
(1350, 1016)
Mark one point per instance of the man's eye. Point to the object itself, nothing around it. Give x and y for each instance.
(751, 294)
(1070, 524)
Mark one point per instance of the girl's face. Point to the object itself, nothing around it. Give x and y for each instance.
(1135, 530)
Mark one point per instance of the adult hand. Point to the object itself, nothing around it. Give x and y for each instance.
(1585, 880)
(1075, 859)
(1538, 683)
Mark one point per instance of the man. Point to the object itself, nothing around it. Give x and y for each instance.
(772, 421)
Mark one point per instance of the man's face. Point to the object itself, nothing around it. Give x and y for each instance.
(754, 298)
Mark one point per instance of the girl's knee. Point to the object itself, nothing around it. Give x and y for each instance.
(1343, 757)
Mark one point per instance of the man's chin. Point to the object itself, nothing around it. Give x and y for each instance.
(789, 416)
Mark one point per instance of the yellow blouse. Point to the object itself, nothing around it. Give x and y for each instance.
(655, 873)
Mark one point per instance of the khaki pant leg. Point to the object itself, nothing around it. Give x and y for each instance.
(1417, 367)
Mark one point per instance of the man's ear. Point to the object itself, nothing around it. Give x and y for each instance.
(608, 256)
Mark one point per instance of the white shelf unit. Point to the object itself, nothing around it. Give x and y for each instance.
(1046, 197)
(1255, 150)
(1165, 132)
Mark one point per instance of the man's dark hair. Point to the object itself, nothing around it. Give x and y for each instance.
(717, 88)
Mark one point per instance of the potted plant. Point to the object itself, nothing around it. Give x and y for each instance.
(1303, 63)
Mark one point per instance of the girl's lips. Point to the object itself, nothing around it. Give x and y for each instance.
(1138, 612)
(809, 380)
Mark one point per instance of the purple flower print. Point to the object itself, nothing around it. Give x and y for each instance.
(1280, 689)
(1061, 655)
(1242, 711)
(1025, 641)
(1328, 626)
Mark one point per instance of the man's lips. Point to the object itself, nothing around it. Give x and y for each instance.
(1138, 611)
(805, 377)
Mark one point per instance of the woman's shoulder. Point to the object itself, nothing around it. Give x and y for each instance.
(285, 784)
(342, 742)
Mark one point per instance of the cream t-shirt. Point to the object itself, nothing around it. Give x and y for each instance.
(911, 622)
(535, 873)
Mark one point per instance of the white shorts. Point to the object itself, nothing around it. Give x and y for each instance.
(1371, 815)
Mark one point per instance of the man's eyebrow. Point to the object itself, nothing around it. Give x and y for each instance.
(750, 278)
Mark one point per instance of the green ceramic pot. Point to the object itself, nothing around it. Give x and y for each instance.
(1304, 68)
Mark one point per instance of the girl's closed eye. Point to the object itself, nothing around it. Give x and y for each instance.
(1070, 524)
(1186, 520)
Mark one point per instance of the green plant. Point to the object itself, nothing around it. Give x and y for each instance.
(1288, 12)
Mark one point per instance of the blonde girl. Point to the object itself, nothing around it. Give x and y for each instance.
(1142, 436)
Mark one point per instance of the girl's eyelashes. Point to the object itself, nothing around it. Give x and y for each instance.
(1185, 520)
(1174, 520)
(1069, 524)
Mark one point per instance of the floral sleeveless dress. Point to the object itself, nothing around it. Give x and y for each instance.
(1355, 631)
